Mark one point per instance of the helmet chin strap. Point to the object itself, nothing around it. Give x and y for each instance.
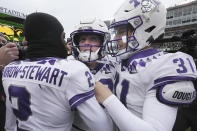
(88, 55)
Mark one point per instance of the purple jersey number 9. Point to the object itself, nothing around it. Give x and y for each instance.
(20, 100)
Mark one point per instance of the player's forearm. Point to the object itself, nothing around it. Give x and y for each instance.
(123, 118)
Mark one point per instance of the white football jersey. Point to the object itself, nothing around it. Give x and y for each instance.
(44, 93)
(147, 70)
(105, 73)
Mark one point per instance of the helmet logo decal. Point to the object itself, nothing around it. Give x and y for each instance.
(136, 3)
(147, 5)
(137, 22)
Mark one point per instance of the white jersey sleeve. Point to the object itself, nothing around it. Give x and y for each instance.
(169, 71)
(81, 97)
(153, 111)
(81, 85)
(103, 73)
(171, 68)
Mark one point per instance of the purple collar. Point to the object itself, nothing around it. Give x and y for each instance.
(97, 68)
(138, 55)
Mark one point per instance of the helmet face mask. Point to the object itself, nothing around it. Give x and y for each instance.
(123, 39)
(88, 55)
(146, 19)
(94, 32)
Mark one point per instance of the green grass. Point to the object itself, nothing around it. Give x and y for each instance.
(188, 129)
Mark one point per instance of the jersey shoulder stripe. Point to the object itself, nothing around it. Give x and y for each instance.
(80, 98)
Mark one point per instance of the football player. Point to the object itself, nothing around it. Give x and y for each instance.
(89, 39)
(150, 84)
(43, 91)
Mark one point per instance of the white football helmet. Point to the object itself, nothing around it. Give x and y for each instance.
(146, 18)
(96, 27)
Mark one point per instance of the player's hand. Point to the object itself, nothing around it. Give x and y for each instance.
(8, 53)
(3, 41)
(101, 92)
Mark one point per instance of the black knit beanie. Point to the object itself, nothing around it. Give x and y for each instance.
(43, 34)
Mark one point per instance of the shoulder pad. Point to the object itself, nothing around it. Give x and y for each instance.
(179, 93)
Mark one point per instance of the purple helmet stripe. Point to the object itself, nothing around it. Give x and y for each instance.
(88, 31)
(118, 24)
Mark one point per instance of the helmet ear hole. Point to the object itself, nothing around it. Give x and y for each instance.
(101, 38)
(150, 29)
(76, 39)
(150, 40)
(75, 52)
(130, 27)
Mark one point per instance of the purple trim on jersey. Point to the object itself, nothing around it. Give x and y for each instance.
(97, 68)
(163, 84)
(138, 55)
(159, 80)
(142, 54)
(166, 101)
(169, 80)
(80, 98)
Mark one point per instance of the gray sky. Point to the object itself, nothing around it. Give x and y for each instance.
(69, 12)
